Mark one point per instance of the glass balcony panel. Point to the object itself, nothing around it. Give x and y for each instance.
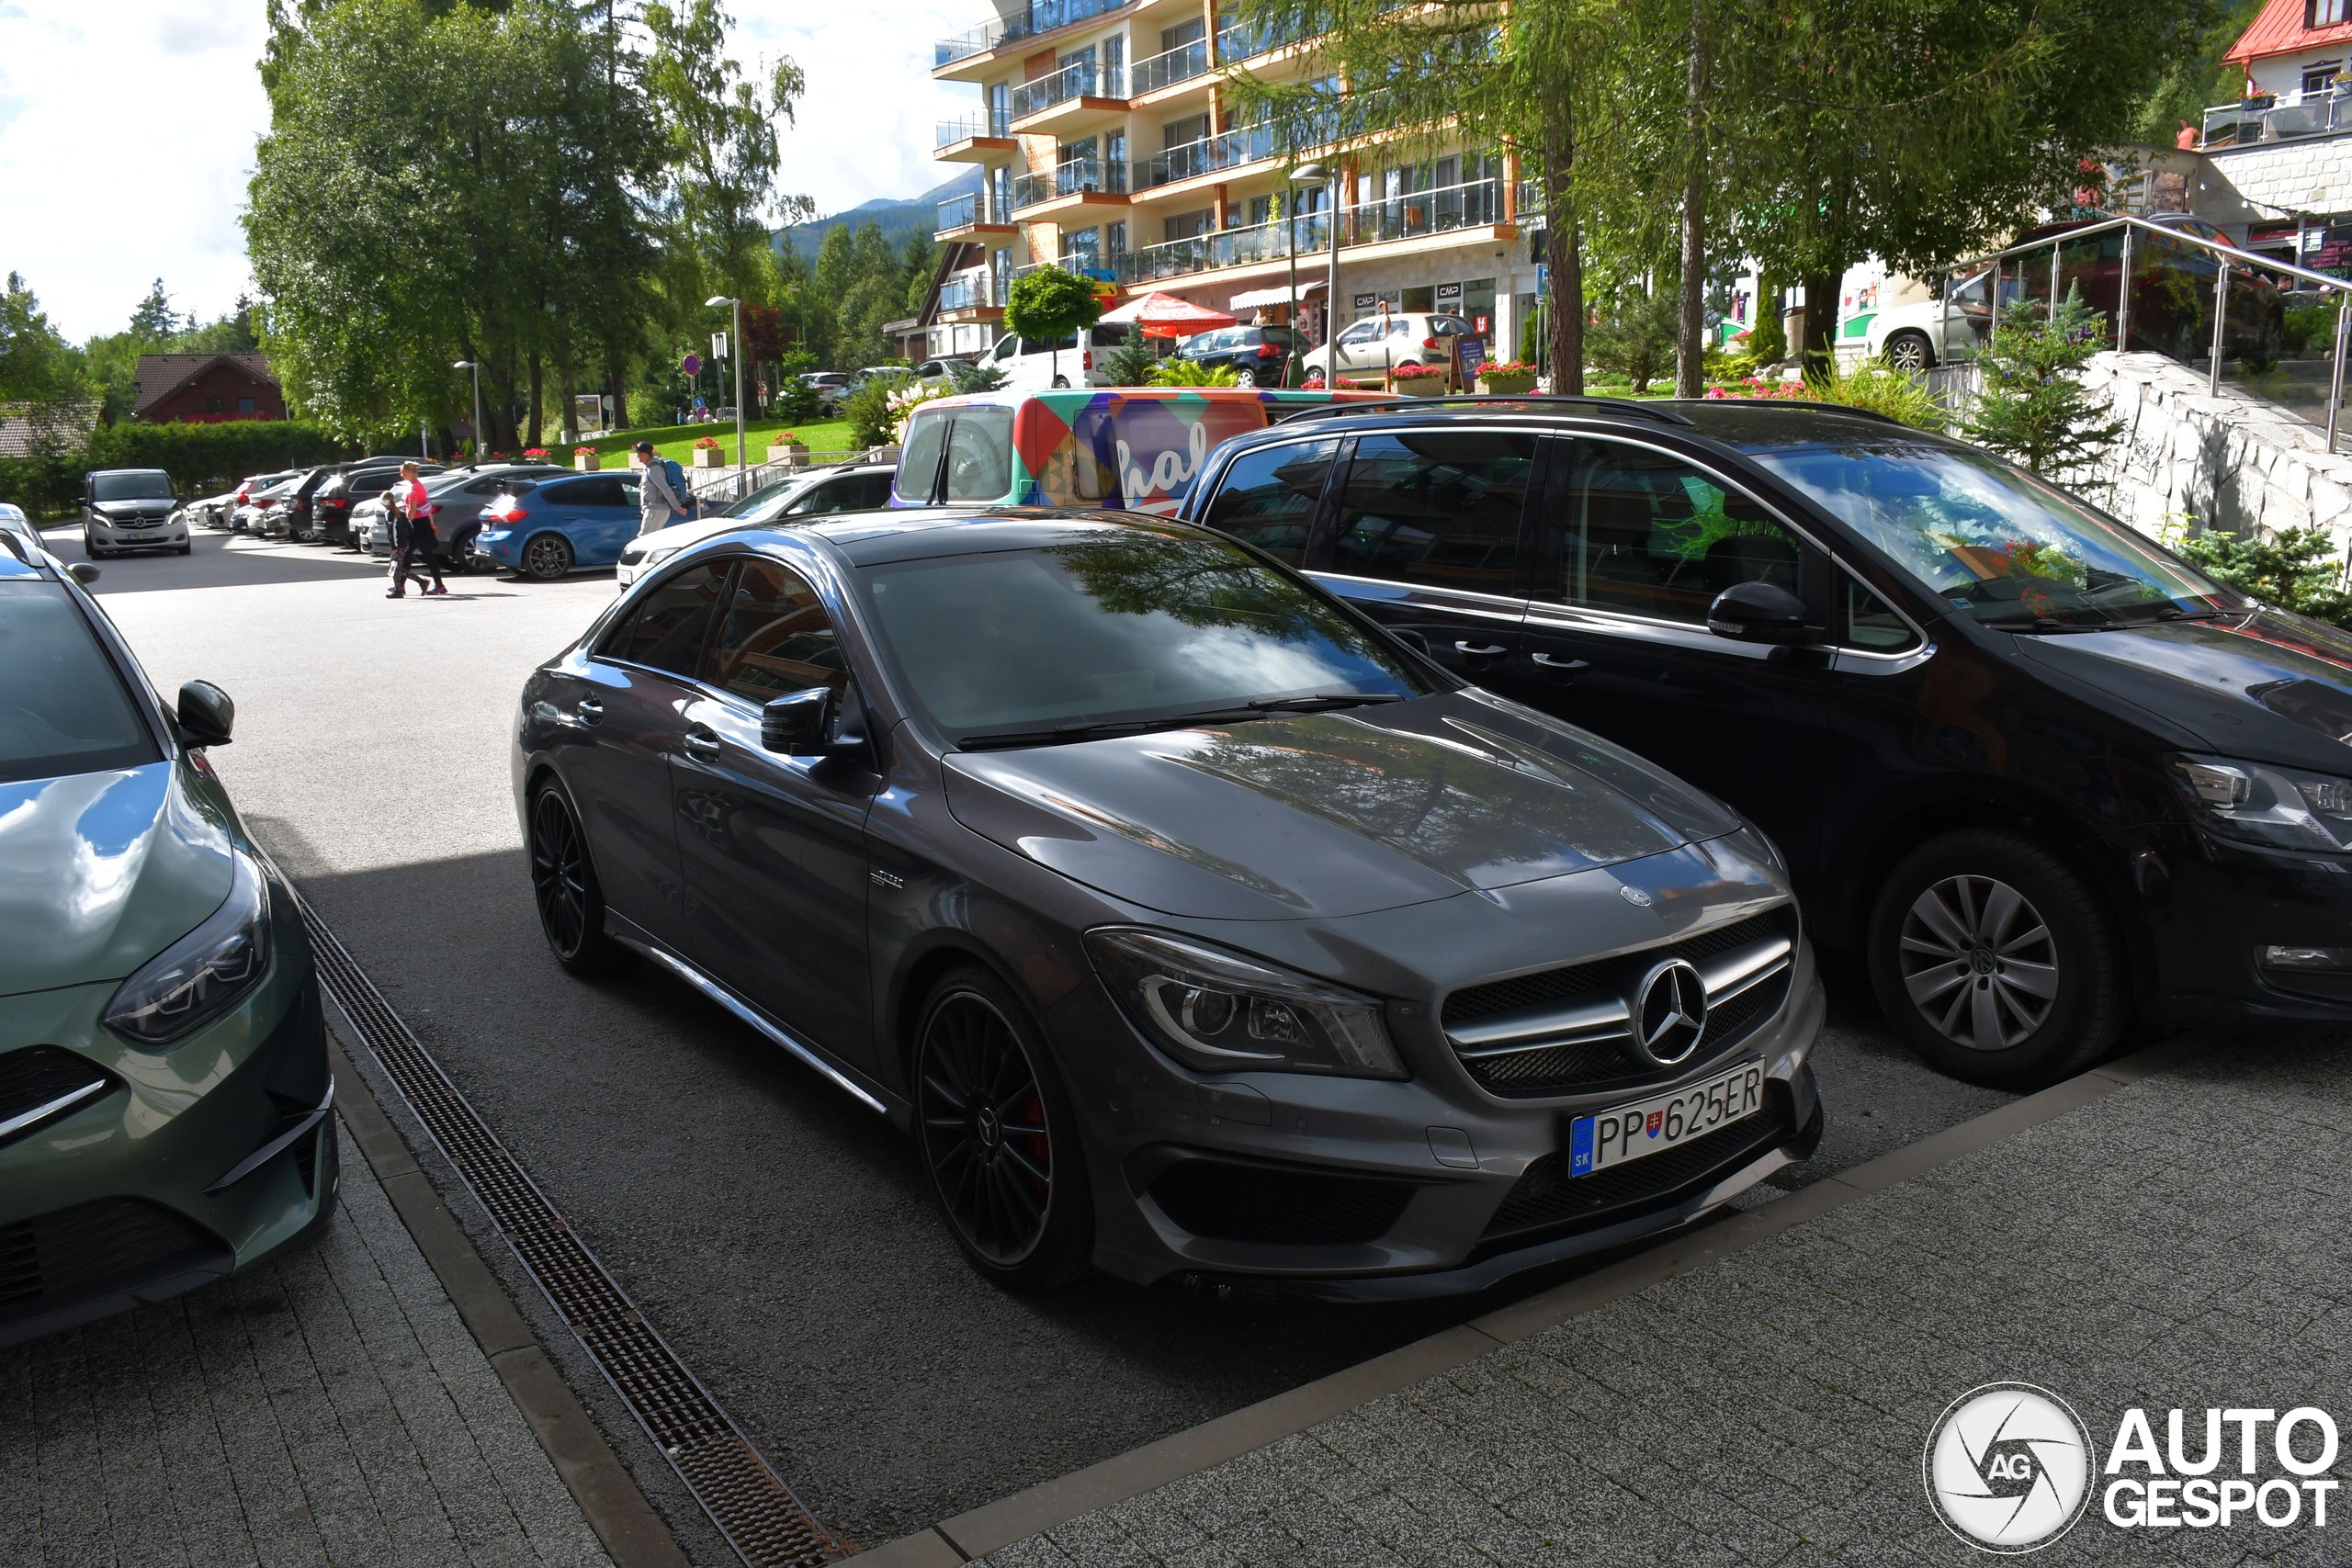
(1082, 81)
(961, 213)
(950, 131)
(1079, 176)
(1179, 64)
(973, 289)
(1250, 145)
(1404, 217)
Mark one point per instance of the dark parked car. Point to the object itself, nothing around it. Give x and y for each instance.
(2046, 776)
(1192, 924)
(320, 507)
(130, 509)
(2172, 289)
(1258, 356)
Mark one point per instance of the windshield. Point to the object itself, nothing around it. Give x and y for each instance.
(1115, 628)
(62, 708)
(769, 498)
(1993, 541)
(146, 484)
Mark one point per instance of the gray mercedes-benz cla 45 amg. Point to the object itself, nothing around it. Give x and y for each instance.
(1192, 924)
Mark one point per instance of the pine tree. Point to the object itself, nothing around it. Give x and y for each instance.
(2035, 407)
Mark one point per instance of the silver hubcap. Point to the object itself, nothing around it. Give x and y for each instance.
(1909, 355)
(1979, 963)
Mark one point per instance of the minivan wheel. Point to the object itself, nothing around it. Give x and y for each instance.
(1061, 381)
(563, 885)
(547, 556)
(1993, 958)
(996, 1135)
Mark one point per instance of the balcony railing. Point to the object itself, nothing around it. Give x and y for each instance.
(1251, 144)
(1083, 81)
(1165, 69)
(961, 213)
(1042, 17)
(1403, 217)
(951, 131)
(1242, 41)
(2282, 120)
(973, 289)
(1077, 177)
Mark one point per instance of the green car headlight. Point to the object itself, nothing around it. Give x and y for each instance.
(204, 973)
(1219, 1012)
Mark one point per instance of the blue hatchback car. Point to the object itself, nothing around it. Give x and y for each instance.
(545, 529)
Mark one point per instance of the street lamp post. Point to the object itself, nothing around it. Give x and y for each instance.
(735, 352)
(476, 368)
(1308, 173)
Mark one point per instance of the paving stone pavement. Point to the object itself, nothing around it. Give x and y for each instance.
(2184, 1242)
(325, 1408)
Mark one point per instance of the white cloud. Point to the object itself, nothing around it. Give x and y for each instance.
(126, 134)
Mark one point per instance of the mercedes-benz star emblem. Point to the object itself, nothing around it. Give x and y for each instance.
(1670, 1013)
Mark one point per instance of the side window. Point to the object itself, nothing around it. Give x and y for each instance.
(775, 636)
(574, 492)
(604, 490)
(672, 628)
(1868, 623)
(979, 454)
(1363, 332)
(1270, 495)
(1649, 535)
(1435, 507)
(869, 491)
(918, 459)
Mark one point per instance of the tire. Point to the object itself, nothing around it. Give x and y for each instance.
(564, 886)
(547, 556)
(185, 549)
(998, 1140)
(1061, 381)
(89, 549)
(1244, 376)
(1985, 935)
(1911, 352)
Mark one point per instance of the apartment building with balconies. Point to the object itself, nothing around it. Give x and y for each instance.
(1110, 141)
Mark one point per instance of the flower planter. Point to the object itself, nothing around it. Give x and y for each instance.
(1421, 386)
(1505, 386)
(793, 453)
(710, 458)
(587, 462)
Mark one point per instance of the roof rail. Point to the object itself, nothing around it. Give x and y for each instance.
(1605, 405)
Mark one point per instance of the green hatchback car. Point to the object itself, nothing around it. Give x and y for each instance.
(165, 1104)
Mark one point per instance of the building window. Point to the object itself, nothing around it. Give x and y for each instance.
(2325, 13)
(1114, 237)
(1186, 225)
(215, 405)
(246, 405)
(2316, 75)
(1262, 210)
(1082, 250)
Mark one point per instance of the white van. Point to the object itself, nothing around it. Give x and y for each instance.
(1080, 361)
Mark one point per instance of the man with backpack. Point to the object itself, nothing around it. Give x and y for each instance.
(663, 495)
(413, 540)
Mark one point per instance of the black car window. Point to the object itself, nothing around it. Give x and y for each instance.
(64, 709)
(1647, 533)
(872, 491)
(979, 454)
(670, 630)
(1268, 496)
(1438, 507)
(775, 636)
(1868, 623)
(600, 490)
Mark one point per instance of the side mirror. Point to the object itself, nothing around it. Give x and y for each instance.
(83, 572)
(1411, 640)
(206, 714)
(801, 724)
(1761, 612)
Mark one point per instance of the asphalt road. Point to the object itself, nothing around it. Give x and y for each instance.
(773, 1231)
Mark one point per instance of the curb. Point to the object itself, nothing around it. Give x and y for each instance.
(633, 1535)
(993, 1525)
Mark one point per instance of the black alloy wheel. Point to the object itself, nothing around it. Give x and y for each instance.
(1993, 957)
(547, 556)
(1910, 352)
(563, 885)
(998, 1138)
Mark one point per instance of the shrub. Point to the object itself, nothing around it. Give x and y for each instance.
(971, 376)
(1635, 335)
(1880, 388)
(2035, 409)
(2296, 570)
(1049, 304)
(203, 459)
(2307, 326)
(871, 417)
(1177, 371)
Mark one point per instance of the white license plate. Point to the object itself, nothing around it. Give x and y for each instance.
(1646, 1126)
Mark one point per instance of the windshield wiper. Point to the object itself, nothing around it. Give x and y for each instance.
(1323, 700)
(1256, 708)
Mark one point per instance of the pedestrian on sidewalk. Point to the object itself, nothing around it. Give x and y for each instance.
(663, 495)
(412, 537)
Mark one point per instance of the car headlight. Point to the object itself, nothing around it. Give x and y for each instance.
(2266, 804)
(1219, 1012)
(657, 556)
(204, 973)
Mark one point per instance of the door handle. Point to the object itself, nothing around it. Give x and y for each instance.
(1570, 665)
(702, 743)
(1479, 652)
(589, 710)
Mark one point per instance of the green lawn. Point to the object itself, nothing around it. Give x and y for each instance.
(677, 440)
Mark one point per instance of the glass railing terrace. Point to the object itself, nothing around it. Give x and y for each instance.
(950, 131)
(1252, 145)
(1165, 69)
(958, 212)
(1042, 17)
(1401, 217)
(977, 290)
(1085, 81)
(1243, 41)
(1079, 176)
(2279, 119)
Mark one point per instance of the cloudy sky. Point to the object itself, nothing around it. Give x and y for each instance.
(127, 131)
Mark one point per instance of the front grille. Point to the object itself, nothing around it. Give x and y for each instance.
(42, 1076)
(1580, 1065)
(81, 1252)
(1547, 1198)
(1227, 1201)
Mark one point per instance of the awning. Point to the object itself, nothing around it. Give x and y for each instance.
(1164, 315)
(1256, 298)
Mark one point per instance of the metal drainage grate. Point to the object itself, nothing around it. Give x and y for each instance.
(745, 1498)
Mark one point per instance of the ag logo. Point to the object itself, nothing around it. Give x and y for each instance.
(2009, 1467)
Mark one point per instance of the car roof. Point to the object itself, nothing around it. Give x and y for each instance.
(868, 538)
(1741, 422)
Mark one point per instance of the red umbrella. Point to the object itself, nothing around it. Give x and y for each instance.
(1164, 315)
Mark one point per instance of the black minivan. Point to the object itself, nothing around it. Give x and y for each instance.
(2043, 774)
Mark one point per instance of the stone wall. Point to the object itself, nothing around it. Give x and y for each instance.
(2275, 178)
(2228, 460)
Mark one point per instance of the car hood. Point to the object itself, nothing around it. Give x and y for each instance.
(1328, 815)
(2265, 686)
(131, 508)
(100, 872)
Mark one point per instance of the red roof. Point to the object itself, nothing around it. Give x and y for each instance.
(2280, 30)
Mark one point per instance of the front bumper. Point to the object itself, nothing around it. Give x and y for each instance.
(1193, 1174)
(168, 534)
(2213, 905)
(154, 1186)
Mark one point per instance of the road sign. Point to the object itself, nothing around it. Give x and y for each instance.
(691, 365)
(719, 345)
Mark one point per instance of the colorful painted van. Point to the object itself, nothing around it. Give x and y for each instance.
(1128, 446)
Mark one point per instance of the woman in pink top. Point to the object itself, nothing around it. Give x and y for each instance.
(411, 502)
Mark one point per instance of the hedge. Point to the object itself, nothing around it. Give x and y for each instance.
(203, 459)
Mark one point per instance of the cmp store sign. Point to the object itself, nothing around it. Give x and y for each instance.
(2010, 1467)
